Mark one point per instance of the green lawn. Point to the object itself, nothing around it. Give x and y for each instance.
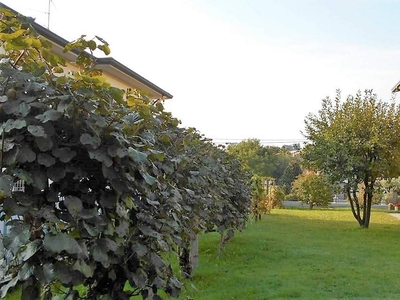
(319, 254)
(302, 254)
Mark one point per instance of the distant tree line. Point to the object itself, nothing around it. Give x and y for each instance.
(272, 162)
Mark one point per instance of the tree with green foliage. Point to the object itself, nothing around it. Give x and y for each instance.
(281, 158)
(252, 156)
(265, 161)
(289, 175)
(112, 183)
(258, 196)
(355, 142)
(275, 197)
(313, 189)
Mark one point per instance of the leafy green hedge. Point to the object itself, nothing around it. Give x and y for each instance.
(111, 180)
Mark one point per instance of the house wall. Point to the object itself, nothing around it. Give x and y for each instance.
(119, 80)
(112, 80)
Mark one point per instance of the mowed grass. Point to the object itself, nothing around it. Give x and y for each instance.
(302, 254)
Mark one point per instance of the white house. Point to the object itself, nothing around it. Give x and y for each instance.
(116, 73)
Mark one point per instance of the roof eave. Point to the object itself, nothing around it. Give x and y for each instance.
(396, 88)
(58, 40)
(124, 69)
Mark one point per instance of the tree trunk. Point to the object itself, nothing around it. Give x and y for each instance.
(367, 211)
(256, 212)
(367, 206)
(184, 261)
(224, 238)
(355, 206)
(363, 220)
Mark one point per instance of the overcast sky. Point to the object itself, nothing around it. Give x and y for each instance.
(242, 68)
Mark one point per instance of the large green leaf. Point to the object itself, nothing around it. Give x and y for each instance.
(109, 172)
(139, 249)
(49, 115)
(47, 213)
(100, 121)
(26, 98)
(37, 130)
(44, 143)
(116, 150)
(93, 141)
(61, 242)
(6, 185)
(148, 178)
(138, 156)
(107, 51)
(100, 255)
(64, 104)
(29, 250)
(147, 231)
(73, 204)
(17, 237)
(109, 244)
(122, 229)
(91, 230)
(56, 172)
(10, 157)
(39, 179)
(13, 208)
(64, 154)
(13, 124)
(22, 110)
(8, 144)
(45, 274)
(139, 279)
(23, 175)
(159, 155)
(116, 93)
(26, 154)
(7, 286)
(26, 271)
(148, 136)
(11, 107)
(89, 214)
(63, 273)
(46, 159)
(102, 156)
(85, 269)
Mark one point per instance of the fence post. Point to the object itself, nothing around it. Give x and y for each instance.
(194, 251)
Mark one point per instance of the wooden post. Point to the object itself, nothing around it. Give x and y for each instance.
(194, 252)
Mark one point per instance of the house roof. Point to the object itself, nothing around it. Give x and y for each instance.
(396, 88)
(107, 64)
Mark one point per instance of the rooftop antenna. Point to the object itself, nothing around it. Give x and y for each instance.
(48, 15)
(48, 12)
